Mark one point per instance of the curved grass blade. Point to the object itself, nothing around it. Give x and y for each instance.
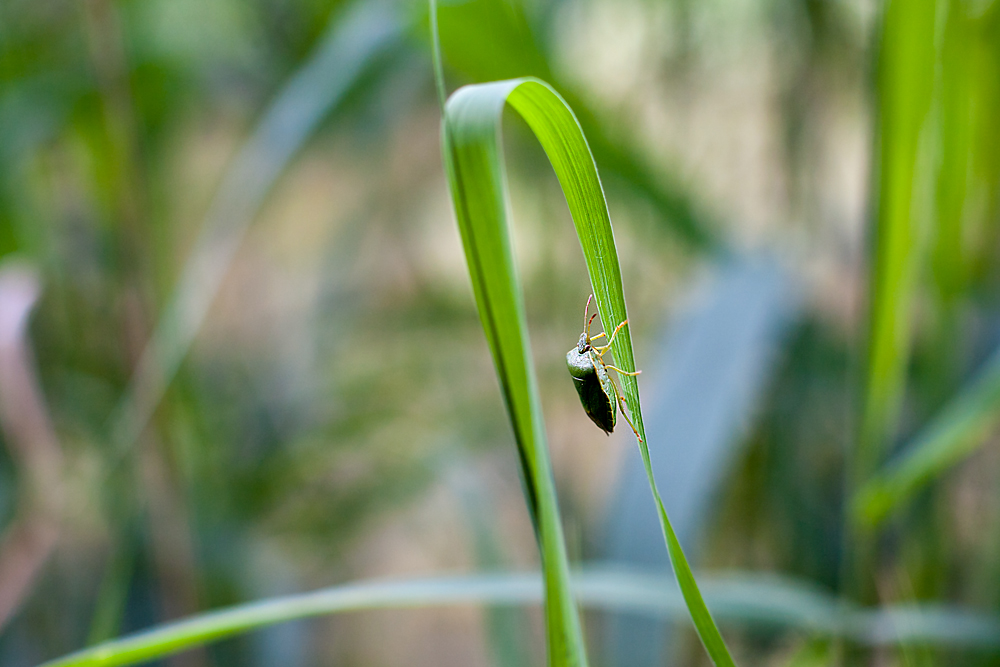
(764, 601)
(478, 184)
(489, 40)
(956, 433)
(477, 179)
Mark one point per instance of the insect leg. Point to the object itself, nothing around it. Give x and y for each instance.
(615, 368)
(613, 334)
(621, 402)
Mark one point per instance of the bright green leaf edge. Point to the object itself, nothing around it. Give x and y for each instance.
(956, 433)
(765, 600)
(472, 147)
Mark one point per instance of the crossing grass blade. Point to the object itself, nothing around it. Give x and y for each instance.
(472, 149)
(960, 429)
(354, 42)
(752, 600)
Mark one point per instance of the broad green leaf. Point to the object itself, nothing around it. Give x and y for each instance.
(478, 183)
(764, 601)
(962, 427)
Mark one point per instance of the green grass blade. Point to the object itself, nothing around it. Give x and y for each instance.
(472, 158)
(958, 80)
(905, 87)
(205, 628)
(906, 75)
(958, 431)
(764, 601)
(478, 184)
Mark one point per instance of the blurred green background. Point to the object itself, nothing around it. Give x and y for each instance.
(253, 363)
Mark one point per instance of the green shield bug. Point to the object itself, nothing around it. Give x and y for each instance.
(598, 392)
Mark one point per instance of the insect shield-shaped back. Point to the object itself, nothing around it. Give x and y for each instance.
(591, 381)
(598, 392)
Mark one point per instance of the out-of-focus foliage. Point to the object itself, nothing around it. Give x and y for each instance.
(337, 414)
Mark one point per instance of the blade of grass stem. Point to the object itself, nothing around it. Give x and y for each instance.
(958, 80)
(505, 628)
(109, 608)
(905, 85)
(471, 153)
(956, 433)
(906, 76)
(471, 135)
(765, 601)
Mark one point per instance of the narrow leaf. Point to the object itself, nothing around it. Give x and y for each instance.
(766, 601)
(478, 184)
(905, 86)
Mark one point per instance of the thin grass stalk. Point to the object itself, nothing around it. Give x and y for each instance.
(749, 599)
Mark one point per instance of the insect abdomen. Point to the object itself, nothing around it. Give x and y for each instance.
(593, 395)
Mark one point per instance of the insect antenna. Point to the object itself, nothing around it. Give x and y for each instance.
(586, 313)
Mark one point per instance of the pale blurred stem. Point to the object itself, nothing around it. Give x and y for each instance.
(937, 554)
(107, 615)
(110, 67)
(28, 542)
(503, 625)
(173, 553)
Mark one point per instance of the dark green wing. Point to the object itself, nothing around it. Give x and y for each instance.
(607, 384)
(590, 382)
